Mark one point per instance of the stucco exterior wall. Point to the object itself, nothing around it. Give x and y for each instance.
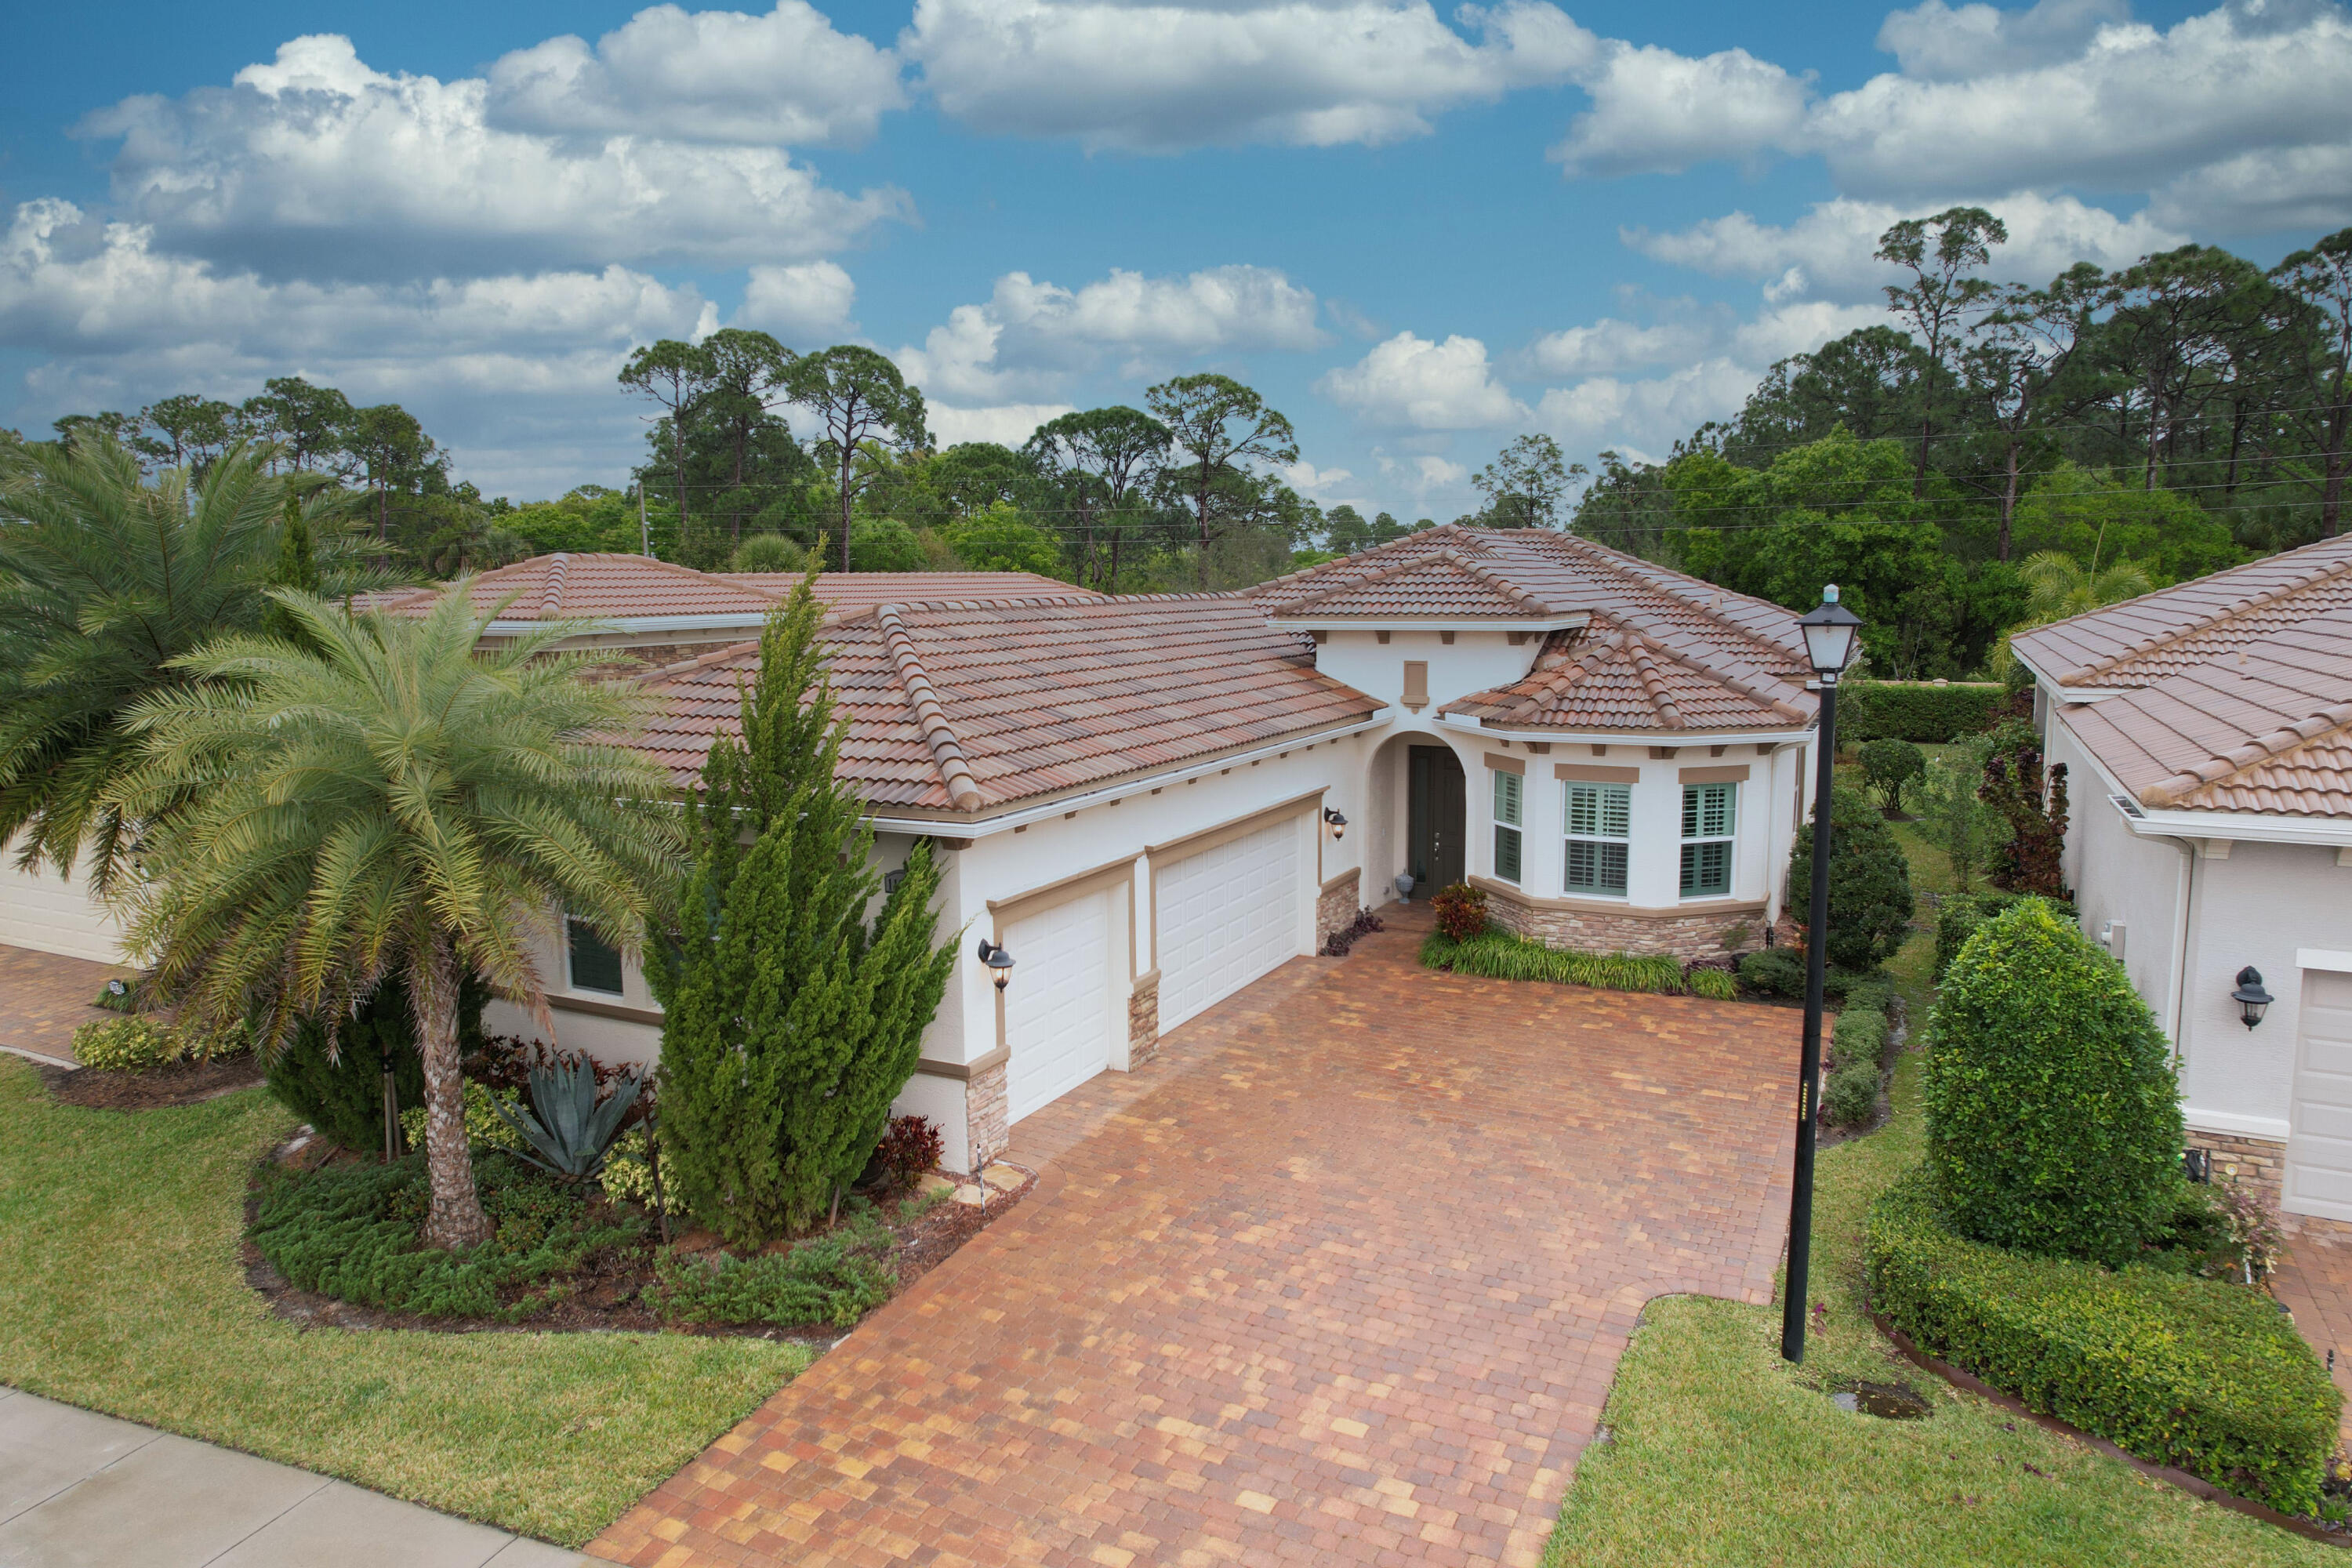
(1473, 661)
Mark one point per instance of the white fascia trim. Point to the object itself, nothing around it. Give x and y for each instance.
(2254, 828)
(934, 828)
(2059, 692)
(1684, 740)
(1575, 622)
(2272, 1128)
(606, 625)
(2322, 958)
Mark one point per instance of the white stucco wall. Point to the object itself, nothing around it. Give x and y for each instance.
(1474, 661)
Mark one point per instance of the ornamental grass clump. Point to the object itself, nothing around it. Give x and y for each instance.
(2053, 1114)
(1499, 955)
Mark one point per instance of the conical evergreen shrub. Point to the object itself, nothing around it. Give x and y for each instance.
(790, 1022)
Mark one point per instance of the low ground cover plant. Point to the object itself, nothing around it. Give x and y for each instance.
(832, 1279)
(2206, 1377)
(1498, 955)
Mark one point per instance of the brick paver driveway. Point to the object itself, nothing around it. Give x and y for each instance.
(1342, 1277)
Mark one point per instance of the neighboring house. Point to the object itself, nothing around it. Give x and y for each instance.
(2206, 733)
(1137, 796)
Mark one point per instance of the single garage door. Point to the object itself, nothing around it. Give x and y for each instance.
(1057, 1011)
(48, 913)
(2319, 1148)
(1227, 915)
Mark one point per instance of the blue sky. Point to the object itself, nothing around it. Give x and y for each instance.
(1419, 232)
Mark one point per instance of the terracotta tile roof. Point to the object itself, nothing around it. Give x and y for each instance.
(965, 707)
(851, 591)
(2173, 629)
(1442, 584)
(2266, 728)
(604, 587)
(1611, 677)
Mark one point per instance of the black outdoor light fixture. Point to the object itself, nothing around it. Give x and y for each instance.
(999, 962)
(2251, 999)
(1335, 822)
(1830, 629)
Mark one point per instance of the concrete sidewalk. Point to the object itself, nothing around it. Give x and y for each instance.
(81, 1489)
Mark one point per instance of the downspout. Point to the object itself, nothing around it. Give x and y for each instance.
(2179, 1003)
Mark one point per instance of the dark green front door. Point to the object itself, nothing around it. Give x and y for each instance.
(1434, 833)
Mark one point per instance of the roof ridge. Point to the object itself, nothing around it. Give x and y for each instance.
(1644, 659)
(947, 752)
(2236, 608)
(2262, 748)
(550, 592)
(699, 661)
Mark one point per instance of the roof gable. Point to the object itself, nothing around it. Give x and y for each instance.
(1611, 677)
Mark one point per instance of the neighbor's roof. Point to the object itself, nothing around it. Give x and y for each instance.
(849, 592)
(597, 586)
(2265, 727)
(2175, 629)
(966, 707)
(1608, 675)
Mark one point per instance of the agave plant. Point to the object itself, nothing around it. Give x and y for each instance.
(566, 1131)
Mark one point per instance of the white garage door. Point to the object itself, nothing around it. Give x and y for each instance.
(51, 915)
(2319, 1149)
(1227, 915)
(1057, 1011)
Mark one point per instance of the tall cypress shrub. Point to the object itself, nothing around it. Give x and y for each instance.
(2053, 1114)
(790, 1021)
(1870, 883)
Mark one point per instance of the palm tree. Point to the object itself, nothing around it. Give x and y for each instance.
(2059, 587)
(387, 797)
(105, 581)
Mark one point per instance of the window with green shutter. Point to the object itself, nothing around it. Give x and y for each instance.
(1600, 824)
(1710, 821)
(1510, 797)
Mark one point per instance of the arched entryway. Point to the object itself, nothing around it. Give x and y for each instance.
(1417, 795)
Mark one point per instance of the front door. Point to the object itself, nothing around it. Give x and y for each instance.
(1434, 832)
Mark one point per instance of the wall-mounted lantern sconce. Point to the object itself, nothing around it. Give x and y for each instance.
(2251, 999)
(999, 962)
(1335, 824)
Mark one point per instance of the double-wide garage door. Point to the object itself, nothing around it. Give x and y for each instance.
(1225, 915)
(2319, 1146)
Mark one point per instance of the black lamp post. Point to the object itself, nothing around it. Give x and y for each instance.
(1829, 629)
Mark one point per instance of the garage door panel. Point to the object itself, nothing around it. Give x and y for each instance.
(2319, 1146)
(1057, 1011)
(1227, 915)
(54, 914)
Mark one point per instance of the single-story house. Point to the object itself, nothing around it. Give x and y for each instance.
(2207, 733)
(1152, 800)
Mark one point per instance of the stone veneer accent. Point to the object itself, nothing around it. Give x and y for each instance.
(988, 1115)
(1688, 937)
(1143, 1022)
(2262, 1163)
(1336, 909)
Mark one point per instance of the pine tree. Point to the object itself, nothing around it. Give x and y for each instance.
(790, 1023)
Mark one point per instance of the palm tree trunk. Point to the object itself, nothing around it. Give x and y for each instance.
(456, 1220)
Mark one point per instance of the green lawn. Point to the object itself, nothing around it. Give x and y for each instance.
(120, 1291)
(1723, 1454)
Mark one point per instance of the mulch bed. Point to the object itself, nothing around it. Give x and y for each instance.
(179, 1083)
(609, 1293)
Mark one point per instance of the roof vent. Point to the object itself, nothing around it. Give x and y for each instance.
(2128, 806)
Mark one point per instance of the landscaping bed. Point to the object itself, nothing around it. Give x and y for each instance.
(339, 1245)
(174, 1083)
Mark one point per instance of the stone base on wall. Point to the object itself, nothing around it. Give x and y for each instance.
(988, 1114)
(1690, 936)
(1336, 909)
(1143, 1022)
(2255, 1164)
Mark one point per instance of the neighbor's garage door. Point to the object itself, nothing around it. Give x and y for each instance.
(1057, 1011)
(2319, 1149)
(50, 914)
(1227, 915)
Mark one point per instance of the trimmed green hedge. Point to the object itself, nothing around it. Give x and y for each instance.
(2208, 1377)
(1928, 715)
(1959, 915)
(1499, 955)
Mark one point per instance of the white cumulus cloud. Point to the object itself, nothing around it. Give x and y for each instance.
(1160, 77)
(316, 163)
(799, 303)
(1007, 425)
(786, 78)
(1411, 382)
(1657, 111)
(1937, 42)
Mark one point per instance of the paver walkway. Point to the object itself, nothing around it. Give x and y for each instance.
(80, 1489)
(1342, 1277)
(45, 997)
(2315, 1283)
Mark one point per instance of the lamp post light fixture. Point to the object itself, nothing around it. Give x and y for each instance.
(1334, 824)
(2251, 999)
(1829, 630)
(999, 962)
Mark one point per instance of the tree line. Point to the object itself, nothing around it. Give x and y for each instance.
(1996, 452)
